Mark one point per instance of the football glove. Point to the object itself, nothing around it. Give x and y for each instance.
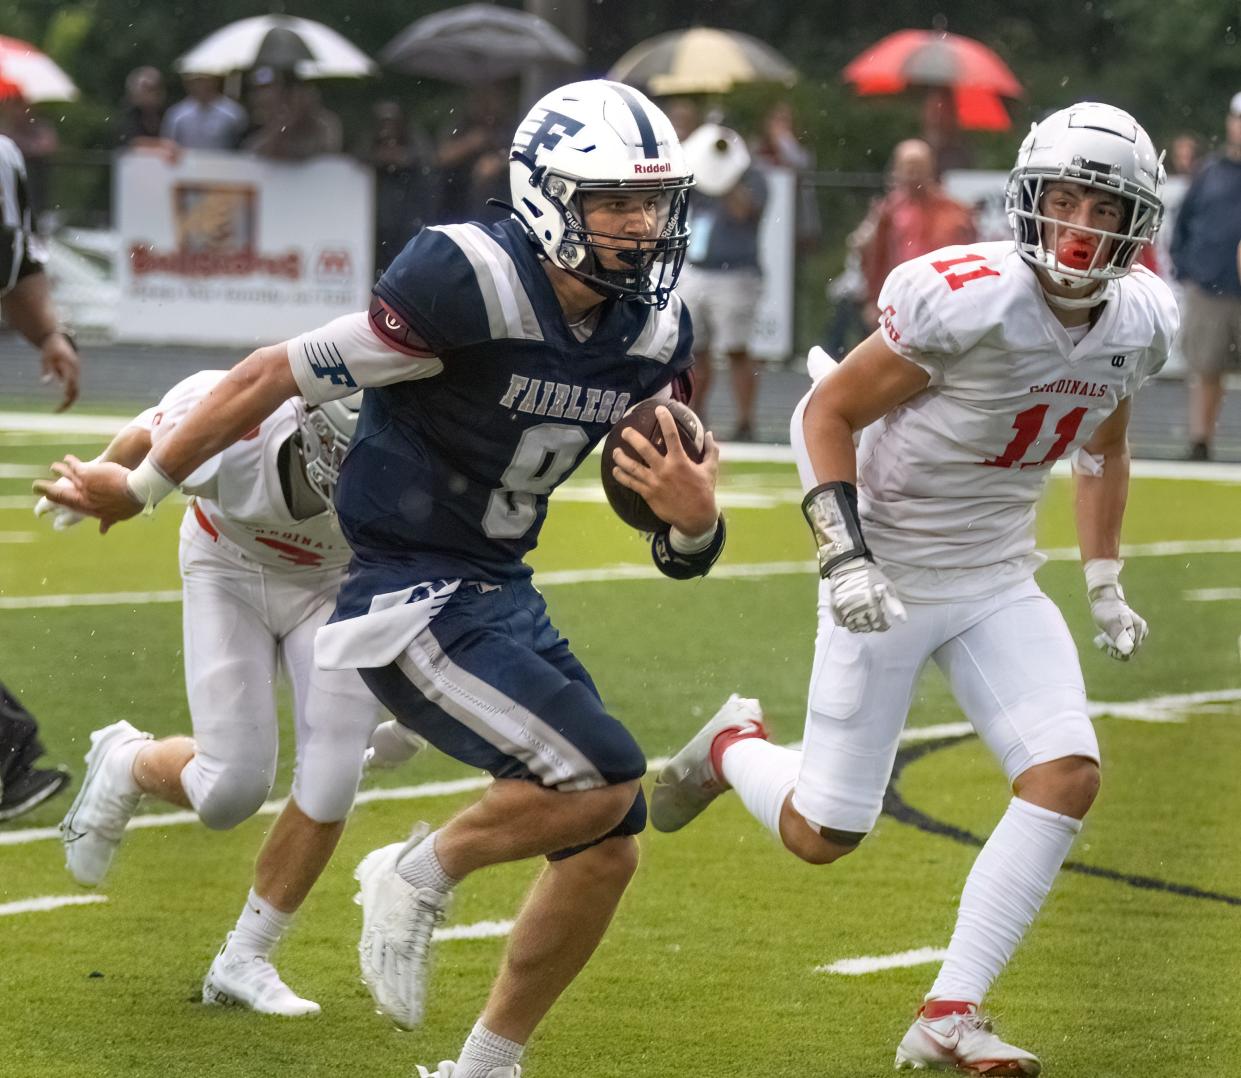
(863, 599)
(62, 518)
(1122, 629)
(391, 745)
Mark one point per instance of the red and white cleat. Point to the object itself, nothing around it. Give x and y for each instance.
(950, 1036)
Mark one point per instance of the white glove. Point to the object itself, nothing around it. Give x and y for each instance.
(391, 745)
(863, 599)
(62, 518)
(1122, 628)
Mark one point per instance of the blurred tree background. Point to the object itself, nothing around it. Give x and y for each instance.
(1173, 63)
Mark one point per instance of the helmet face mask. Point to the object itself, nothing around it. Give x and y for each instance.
(590, 146)
(1102, 150)
(325, 431)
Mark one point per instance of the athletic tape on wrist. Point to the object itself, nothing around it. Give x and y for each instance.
(691, 544)
(1102, 573)
(149, 486)
(831, 511)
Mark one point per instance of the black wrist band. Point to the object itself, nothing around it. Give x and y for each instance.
(831, 511)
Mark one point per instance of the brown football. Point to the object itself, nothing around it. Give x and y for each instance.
(628, 504)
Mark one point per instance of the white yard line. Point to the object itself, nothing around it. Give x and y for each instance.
(49, 902)
(855, 967)
(480, 930)
(17, 537)
(1153, 709)
(22, 471)
(1213, 595)
(610, 573)
(41, 423)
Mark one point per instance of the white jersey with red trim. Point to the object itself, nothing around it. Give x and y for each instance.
(949, 480)
(238, 500)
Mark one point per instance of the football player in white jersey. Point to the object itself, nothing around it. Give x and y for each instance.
(262, 559)
(991, 362)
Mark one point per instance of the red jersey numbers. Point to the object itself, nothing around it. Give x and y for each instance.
(960, 280)
(887, 315)
(1028, 425)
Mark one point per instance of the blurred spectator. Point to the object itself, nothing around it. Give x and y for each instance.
(942, 132)
(777, 145)
(683, 113)
(1204, 255)
(721, 282)
(143, 114)
(847, 293)
(400, 156)
(36, 139)
(296, 125)
(205, 119)
(472, 158)
(914, 218)
(1185, 154)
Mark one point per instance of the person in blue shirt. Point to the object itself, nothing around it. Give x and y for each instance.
(1204, 255)
(492, 360)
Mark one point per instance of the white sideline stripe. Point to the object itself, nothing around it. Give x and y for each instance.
(1153, 709)
(610, 573)
(855, 967)
(17, 537)
(1213, 595)
(22, 471)
(49, 902)
(480, 930)
(62, 424)
(112, 598)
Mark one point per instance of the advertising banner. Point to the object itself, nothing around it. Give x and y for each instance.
(230, 249)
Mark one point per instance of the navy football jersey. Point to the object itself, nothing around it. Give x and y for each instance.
(449, 475)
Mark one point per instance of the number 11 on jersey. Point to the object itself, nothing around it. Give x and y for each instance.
(1028, 425)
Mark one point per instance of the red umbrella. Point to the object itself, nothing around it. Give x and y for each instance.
(977, 77)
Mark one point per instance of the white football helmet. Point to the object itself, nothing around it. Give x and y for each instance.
(326, 430)
(601, 136)
(1098, 146)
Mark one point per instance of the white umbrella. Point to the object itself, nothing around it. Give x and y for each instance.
(27, 72)
(311, 49)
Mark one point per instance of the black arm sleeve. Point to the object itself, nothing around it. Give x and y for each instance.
(687, 566)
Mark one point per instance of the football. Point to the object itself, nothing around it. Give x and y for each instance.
(628, 504)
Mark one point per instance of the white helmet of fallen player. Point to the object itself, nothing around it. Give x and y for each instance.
(602, 137)
(1100, 147)
(326, 430)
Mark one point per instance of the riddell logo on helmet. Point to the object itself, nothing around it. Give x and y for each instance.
(640, 169)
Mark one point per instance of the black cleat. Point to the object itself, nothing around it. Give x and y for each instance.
(29, 789)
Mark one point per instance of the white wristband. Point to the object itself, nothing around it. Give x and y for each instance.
(691, 544)
(1103, 573)
(149, 486)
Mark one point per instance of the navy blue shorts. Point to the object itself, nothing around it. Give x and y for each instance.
(492, 683)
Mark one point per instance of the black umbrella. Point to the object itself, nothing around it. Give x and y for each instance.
(477, 43)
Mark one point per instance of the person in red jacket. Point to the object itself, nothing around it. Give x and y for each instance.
(914, 218)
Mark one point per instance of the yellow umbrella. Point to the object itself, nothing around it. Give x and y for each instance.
(701, 61)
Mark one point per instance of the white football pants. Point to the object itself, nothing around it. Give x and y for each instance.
(1012, 666)
(243, 621)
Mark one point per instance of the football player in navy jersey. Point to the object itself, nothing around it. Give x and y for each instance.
(492, 361)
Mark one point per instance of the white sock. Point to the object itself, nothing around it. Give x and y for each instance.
(484, 1051)
(762, 774)
(259, 928)
(1008, 884)
(421, 867)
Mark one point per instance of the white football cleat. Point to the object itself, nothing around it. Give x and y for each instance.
(397, 921)
(448, 1069)
(253, 983)
(962, 1041)
(92, 828)
(688, 782)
